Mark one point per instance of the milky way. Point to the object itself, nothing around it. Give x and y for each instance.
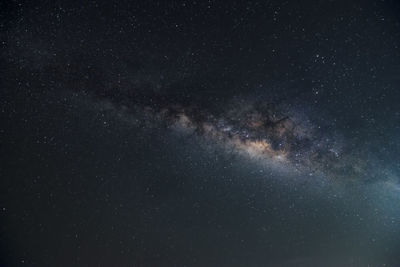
(275, 135)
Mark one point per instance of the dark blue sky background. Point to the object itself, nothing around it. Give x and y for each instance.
(84, 184)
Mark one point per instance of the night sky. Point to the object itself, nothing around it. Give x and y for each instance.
(200, 133)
